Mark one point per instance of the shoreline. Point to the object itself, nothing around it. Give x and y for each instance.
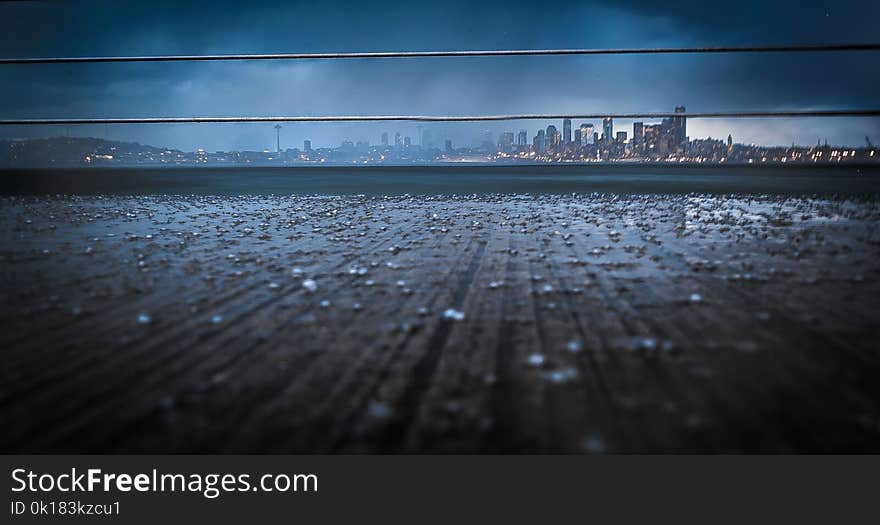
(461, 166)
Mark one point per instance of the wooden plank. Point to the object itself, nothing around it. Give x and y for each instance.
(588, 324)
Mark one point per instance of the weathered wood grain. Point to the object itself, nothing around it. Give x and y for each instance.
(582, 323)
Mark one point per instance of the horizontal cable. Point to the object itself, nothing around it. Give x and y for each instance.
(477, 53)
(441, 118)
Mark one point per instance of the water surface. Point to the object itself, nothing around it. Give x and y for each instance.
(372, 180)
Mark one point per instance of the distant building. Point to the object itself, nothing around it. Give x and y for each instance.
(385, 139)
(566, 131)
(638, 134)
(448, 146)
(578, 137)
(729, 141)
(307, 145)
(522, 138)
(620, 138)
(679, 127)
(397, 143)
(539, 144)
(608, 129)
(551, 137)
(407, 142)
(586, 134)
(667, 136)
(651, 141)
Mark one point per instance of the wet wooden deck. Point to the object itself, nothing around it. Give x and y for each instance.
(485, 324)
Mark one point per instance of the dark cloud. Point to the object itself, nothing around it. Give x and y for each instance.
(450, 86)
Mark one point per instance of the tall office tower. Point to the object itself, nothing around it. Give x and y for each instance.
(729, 141)
(566, 131)
(620, 138)
(448, 146)
(407, 142)
(638, 139)
(427, 139)
(586, 134)
(307, 145)
(638, 132)
(578, 138)
(385, 139)
(667, 136)
(595, 137)
(550, 137)
(608, 129)
(397, 143)
(522, 138)
(679, 126)
(651, 138)
(539, 144)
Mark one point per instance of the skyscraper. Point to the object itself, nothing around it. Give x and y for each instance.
(539, 144)
(550, 137)
(638, 139)
(397, 143)
(679, 127)
(667, 136)
(566, 131)
(385, 139)
(522, 138)
(608, 129)
(638, 132)
(578, 137)
(307, 145)
(586, 134)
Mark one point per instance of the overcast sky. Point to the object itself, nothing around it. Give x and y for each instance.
(586, 84)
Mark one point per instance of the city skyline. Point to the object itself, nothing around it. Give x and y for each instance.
(666, 140)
